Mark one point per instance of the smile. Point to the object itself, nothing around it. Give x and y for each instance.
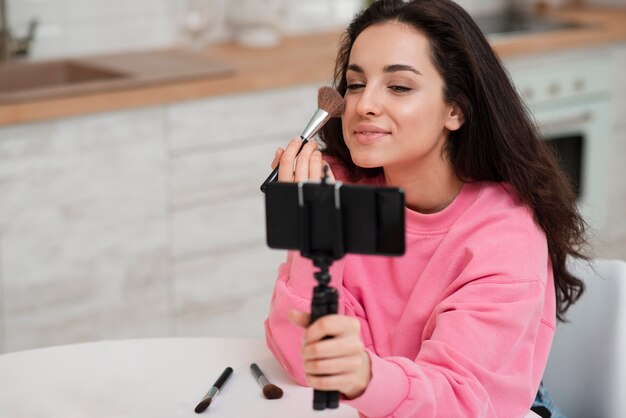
(369, 134)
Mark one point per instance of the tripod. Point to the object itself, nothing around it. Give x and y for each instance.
(325, 298)
(324, 303)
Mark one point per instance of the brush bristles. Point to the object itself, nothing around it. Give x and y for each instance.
(330, 100)
(271, 391)
(203, 405)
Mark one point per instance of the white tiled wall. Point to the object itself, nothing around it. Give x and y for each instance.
(306, 16)
(79, 27)
(83, 27)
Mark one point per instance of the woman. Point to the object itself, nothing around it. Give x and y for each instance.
(461, 325)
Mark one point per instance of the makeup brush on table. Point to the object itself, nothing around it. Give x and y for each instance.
(215, 389)
(330, 104)
(270, 391)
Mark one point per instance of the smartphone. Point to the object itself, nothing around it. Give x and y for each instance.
(335, 219)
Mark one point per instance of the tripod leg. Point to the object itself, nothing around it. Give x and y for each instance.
(319, 400)
(325, 300)
(332, 399)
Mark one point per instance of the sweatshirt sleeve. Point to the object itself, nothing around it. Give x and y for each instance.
(293, 290)
(483, 341)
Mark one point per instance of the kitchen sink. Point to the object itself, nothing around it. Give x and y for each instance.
(27, 80)
(24, 76)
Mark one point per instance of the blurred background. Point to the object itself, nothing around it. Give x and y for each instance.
(134, 136)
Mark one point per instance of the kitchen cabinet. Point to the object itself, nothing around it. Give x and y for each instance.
(141, 223)
(221, 150)
(84, 229)
(613, 239)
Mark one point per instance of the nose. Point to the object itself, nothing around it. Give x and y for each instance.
(369, 103)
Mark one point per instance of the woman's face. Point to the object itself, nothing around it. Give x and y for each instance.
(395, 115)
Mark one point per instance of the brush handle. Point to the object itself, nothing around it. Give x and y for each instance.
(258, 374)
(274, 174)
(270, 179)
(225, 375)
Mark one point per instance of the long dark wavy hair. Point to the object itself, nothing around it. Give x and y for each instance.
(498, 140)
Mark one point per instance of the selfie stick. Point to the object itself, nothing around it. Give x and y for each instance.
(325, 297)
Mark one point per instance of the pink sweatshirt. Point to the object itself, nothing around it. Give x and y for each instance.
(460, 326)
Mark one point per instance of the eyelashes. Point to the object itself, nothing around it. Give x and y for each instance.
(355, 87)
(400, 89)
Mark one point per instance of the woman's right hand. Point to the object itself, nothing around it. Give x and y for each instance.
(307, 166)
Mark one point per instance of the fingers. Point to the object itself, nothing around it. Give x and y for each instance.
(285, 172)
(336, 355)
(287, 161)
(331, 348)
(315, 165)
(304, 161)
(309, 157)
(344, 383)
(332, 325)
(299, 163)
(337, 363)
(277, 155)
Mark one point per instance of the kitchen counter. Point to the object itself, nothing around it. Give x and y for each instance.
(298, 60)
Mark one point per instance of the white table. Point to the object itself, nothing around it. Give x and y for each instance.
(148, 378)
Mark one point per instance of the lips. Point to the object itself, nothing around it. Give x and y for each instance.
(367, 134)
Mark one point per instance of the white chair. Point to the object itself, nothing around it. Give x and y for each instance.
(586, 372)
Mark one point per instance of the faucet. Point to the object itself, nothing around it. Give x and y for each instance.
(10, 46)
(515, 6)
(517, 11)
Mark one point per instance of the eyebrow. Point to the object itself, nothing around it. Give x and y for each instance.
(387, 69)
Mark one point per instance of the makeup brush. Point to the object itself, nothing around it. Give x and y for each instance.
(270, 391)
(215, 389)
(330, 104)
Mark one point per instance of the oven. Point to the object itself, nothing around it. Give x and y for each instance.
(571, 104)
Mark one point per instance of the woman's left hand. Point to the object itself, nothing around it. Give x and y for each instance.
(338, 363)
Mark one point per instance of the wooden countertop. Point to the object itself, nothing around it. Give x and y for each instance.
(300, 60)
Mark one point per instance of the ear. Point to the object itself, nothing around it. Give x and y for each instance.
(455, 117)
